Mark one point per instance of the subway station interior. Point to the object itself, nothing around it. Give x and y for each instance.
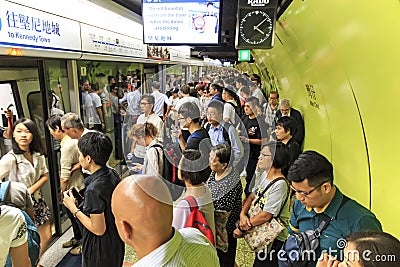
(337, 61)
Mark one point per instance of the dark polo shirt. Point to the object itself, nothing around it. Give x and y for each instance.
(106, 250)
(351, 218)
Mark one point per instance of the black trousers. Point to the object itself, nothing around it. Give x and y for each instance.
(250, 170)
(118, 136)
(75, 226)
(227, 259)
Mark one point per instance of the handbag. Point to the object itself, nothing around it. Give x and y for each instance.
(221, 218)
(299, 247)
(260, 236)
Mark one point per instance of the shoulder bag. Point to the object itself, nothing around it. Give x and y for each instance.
(260, 236)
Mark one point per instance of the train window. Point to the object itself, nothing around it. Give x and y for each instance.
(7, 100)
(35, 108)
(58, 84)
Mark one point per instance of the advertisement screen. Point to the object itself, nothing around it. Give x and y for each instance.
(167, 22)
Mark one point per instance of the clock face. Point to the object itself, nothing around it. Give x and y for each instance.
(255, 27)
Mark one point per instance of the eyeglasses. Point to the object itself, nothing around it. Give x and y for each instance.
(144, 103)
(212, 114)
(179, 119)
(305, 194)
(265, 155)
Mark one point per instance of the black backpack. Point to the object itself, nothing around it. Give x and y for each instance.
(171, 158)
(238, 110)
(225, 128)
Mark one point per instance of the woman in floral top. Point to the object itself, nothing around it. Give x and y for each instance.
(273, 157)
(226, 191)
(26, 163)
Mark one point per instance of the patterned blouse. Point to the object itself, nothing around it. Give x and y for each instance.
(227, 195)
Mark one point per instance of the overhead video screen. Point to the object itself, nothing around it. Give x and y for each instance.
(185, 22)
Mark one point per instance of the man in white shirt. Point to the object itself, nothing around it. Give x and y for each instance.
(13, 237)
(94, 112)
(159, 100)
(133, 100)
(271, 109)
(185, 91)
(139, 199)
(256, 92)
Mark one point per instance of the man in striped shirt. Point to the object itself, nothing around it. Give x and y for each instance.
(142, 206)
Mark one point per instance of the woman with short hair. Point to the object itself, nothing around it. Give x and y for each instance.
(146, 135)
(226, 191)
(193, 169)
(273, 203)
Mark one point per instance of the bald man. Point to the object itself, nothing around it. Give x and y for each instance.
(142, 206)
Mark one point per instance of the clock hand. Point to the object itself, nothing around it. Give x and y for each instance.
(259, 24)
(257, 29)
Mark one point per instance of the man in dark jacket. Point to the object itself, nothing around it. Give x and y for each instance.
(285, 109)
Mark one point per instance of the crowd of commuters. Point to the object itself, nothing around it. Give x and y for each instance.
(223, 127)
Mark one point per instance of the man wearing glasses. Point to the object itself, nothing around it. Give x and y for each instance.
(221, 132)
(311, 177)
(146, 105)
(188, 118)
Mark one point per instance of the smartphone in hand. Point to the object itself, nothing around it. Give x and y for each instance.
(78, 197)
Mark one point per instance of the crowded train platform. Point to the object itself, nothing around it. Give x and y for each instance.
(198, 133)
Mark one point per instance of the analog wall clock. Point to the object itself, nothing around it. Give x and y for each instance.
(255, 29)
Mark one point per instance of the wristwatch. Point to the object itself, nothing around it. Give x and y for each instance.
(76, 212)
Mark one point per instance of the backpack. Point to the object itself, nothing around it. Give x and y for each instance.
(171, 158)
(238, 110)
(197, 220)
(33, 234)
(225, 128)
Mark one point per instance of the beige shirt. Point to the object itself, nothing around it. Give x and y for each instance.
(69, 157)
(24, 171)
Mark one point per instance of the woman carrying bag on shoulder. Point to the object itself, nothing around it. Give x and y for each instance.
(270, 198)
(26, 164)
(146, 135)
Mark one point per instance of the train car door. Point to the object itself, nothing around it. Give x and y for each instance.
(8, 89)
(22, 89)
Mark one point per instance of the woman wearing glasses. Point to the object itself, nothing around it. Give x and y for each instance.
(274, 202)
